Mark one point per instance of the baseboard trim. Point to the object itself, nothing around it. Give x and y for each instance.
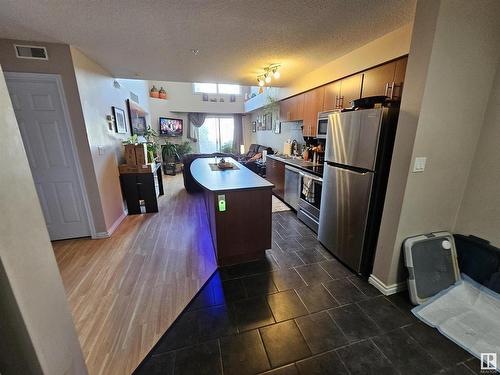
(100, 235)
(386, 289)
(110, 231)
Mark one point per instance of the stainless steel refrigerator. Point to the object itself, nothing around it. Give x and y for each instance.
(357, 161)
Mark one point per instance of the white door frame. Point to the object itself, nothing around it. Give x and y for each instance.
(79, 173)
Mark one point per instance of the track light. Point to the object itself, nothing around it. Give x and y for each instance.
(270, 72)
(276, 73)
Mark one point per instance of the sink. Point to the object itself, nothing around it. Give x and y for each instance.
(288, 157)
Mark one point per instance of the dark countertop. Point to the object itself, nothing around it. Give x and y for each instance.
(307, 166)
(229, 179)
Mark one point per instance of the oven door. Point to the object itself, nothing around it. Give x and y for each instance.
(309, 200)
(310, 192)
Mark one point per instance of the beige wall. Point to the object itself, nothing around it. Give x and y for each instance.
(462, 64)
(98, 95)
(60, 63)
(38, 315)
(416, 72)
(480, 210)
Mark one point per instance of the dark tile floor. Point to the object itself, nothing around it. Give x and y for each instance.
(300, 311)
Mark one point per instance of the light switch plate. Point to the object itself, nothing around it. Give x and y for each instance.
(101, 150)
(419, 165)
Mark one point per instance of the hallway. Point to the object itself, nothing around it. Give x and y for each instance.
(125, 291)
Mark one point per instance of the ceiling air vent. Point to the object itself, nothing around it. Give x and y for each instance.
(134, 97)
(31, 52)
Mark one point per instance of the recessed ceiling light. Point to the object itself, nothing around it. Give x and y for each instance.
(195, 52)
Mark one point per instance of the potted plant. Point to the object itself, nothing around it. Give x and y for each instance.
(183, 149)
(170, 157)
(151, 137)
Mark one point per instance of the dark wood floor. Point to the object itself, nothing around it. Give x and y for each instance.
(125, 291)
(300, 311)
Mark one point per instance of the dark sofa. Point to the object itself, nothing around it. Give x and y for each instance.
(189, 183)
(255, 149)
(252, 151)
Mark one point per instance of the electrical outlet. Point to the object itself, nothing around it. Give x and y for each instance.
(419, 165)
(101, 150)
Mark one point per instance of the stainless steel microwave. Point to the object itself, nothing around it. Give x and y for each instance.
(322, 126)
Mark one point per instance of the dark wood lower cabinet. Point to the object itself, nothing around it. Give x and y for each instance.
(275, 174)
(242, 233)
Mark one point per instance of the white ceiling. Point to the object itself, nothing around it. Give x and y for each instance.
(152, 39)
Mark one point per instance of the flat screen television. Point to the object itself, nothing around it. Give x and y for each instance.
(171, 127)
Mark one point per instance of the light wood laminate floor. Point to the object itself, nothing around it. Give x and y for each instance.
(125, 291)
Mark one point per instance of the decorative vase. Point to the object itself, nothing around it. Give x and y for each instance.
(162, 93)
(305, 154)
(154, 92)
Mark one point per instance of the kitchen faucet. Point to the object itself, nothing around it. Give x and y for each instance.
(295, 146)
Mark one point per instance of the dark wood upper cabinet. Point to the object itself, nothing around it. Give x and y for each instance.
(350, 89)
(332, 96)
(313, 103)
(399, 77)
(385, 79)
(297, 112)
(292, 109)
(378, 81)
(285, 109)
(339, 94)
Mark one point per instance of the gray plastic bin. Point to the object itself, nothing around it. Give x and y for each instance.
(432, 264)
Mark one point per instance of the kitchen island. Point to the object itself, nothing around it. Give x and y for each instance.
(238, 204)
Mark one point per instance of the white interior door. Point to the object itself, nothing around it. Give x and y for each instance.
(40, 114)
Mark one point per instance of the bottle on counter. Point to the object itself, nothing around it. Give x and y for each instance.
(306, 154)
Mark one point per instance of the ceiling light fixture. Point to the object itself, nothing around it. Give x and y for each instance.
(276, 73)
(270, 72)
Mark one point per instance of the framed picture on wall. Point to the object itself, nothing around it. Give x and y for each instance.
(137, 118)
(268, 121)
(277, 127)
(120, 121)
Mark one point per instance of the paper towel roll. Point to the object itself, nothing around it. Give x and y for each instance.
(287, 148)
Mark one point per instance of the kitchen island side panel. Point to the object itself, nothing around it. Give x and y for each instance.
(243, 231)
